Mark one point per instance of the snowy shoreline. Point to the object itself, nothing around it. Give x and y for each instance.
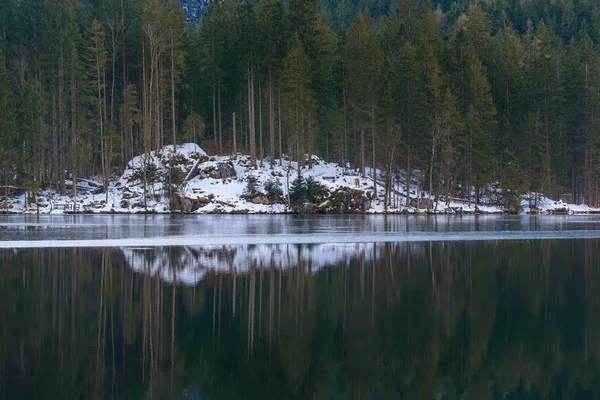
(232, 185)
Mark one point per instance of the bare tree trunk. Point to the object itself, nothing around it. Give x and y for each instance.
(74, 133)
(173, 122)
(345, 150)
(271, 120)
(214, 101)
(373, 134)
(220, 119)
(252, 126)
(362, 152)
(279, 121)
(260, 125)
(234, 137)
(61, 156)
(408, 171)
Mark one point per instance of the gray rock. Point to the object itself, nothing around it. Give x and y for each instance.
(260, 199)
(186, 205)
(222, 171)
(365, 204)
(422, 203)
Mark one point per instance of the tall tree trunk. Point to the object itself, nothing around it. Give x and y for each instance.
(214, 102)
(234, 136)
(61, 156)
(220, 119)
(271, 120)
(345, 149)
(279, 123)
(173, 122)
(408, 169)
(260, 125)
(373, 134)
(362, 152)
(252, 131)
(74, 134)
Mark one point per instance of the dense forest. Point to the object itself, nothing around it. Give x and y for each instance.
(458, 97)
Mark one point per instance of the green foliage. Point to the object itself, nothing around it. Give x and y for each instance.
(298, 192)
(194, 128)
(148, 172)
(273, 190)
(306, 190)
(251, 188)
(514, 183)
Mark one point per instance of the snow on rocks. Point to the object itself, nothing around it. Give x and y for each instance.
(191, 181)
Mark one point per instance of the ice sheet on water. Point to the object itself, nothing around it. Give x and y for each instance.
(313, 238)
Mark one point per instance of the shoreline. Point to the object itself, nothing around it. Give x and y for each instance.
(248, 212)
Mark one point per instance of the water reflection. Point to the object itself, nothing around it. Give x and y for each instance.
(384, 320)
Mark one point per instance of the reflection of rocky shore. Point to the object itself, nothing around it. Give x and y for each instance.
(452, 320)
(189, 265)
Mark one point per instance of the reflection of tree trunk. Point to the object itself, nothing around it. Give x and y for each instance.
(74, 292)
(345, 278)
(271, 298)
(173, 294)
(100, 306)
(279, 306)
(260, 287)
(433, 289)
(373, 287)
(297, 281)
(219, 312)
(362, 274)
(233, 293)
(112, 332)
(251, 300)
(214, 316)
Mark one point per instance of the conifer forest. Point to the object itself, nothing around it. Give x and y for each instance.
(462, 97)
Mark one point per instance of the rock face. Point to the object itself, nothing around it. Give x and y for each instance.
(189, 205)
(422, 204)
(260, 199)
(346, 201)
(222, 170)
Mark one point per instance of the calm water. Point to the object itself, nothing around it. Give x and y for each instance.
(419, 317)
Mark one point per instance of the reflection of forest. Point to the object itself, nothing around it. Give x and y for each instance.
(411, 320)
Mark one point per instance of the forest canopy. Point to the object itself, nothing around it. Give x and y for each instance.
(452, 95)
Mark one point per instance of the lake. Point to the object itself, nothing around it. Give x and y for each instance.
(287, 307)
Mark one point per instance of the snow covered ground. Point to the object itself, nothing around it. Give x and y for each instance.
(218, 184)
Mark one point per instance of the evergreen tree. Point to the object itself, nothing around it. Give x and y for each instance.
(8, 126)
(298, 103)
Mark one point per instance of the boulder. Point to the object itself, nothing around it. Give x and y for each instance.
(222, 170)
(345, 201)
(186, 205)
(189, 205)
(421, 204)
(364, 204)
(260, 199)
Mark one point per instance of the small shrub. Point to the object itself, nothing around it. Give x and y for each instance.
(149, 169)
(298, 192)
(273, 190)
(314, 190)
(251, 186)
(124, 203)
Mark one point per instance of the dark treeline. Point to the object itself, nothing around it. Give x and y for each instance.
(456, 95)
(434, 319)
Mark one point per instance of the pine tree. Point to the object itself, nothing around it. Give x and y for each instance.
(298, 102)
(364, 62)
(8, 126)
